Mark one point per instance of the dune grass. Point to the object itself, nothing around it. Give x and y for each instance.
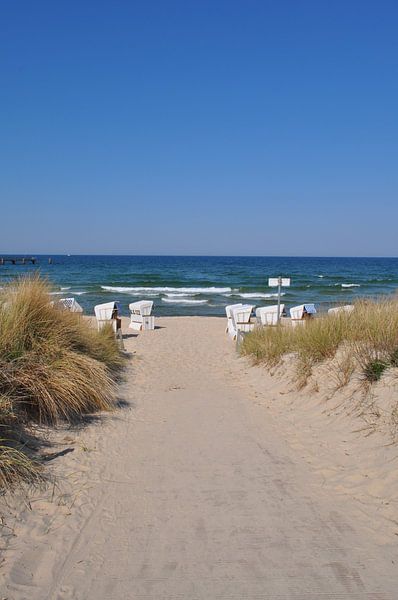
(268, 344)
(368, 335)
(16, 466)
(54, 366)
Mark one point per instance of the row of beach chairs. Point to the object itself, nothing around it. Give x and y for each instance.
(239, 316)
(109, 313)
(140, 315)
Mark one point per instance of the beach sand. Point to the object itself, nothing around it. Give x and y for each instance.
(213, 480)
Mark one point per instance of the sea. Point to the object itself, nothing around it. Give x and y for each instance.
(204, 285)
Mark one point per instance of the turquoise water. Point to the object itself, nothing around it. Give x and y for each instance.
(185, 285)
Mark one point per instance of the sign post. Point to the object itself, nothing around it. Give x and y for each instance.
(279, 282)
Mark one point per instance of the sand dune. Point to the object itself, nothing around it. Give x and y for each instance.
(213, 481)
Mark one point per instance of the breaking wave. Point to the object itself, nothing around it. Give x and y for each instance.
(248, 295)
(183, 301)
(165, 290)
(180, 295)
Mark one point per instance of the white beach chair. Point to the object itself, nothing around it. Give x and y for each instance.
(299, 314)
(348, 308)
(268, 315)
(228, 310)
(240, 319)
(140, 315)
(106, 313)
(70, 304)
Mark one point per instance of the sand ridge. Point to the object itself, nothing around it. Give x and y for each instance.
(209, 483)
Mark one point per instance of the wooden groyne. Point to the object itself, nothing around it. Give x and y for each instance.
(18, 260)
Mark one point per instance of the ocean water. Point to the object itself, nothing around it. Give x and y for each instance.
(194, 285)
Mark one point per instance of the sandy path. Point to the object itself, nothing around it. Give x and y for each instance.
(193, 494)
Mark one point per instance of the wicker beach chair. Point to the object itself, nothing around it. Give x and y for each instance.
(299, 314)
(140, 315)
(107, 313)
(268, 315)
(70, 304)
(347, 308)
(238, 316)
(228, 311)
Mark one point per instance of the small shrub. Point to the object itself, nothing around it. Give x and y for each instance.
(374, 370)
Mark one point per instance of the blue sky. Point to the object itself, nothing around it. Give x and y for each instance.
(211, 127)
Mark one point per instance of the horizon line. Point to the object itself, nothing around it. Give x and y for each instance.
(49, 254)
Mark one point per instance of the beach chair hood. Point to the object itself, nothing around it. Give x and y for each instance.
(310, 309)
(297, 312)
(70, 304)
(348, 308)
(240, 313)
(268, 315)
(236, 312)
(230, 308)
(104, 311)
(142, 307)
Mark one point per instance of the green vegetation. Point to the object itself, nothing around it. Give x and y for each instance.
(54, 366)
(366, 338)
(374, 370)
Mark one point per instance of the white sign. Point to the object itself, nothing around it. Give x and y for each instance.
(275, 281)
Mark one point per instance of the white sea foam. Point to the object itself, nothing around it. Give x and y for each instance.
(183, 301)
(147, 294)
(259, 295)
(321, 276)
(249, 295)
(350, 285)
(139, 294)
(176, 295)
(164, 290)
(63, 289)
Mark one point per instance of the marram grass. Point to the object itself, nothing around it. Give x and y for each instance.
(368, 336)
(54, 366)
(16, 466)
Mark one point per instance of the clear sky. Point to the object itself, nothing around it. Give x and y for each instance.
(199, 127)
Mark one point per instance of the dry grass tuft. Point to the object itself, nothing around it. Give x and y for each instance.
(343, 368)
(268, 344)
(53, 366)
(59, 386)
(16, 466)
